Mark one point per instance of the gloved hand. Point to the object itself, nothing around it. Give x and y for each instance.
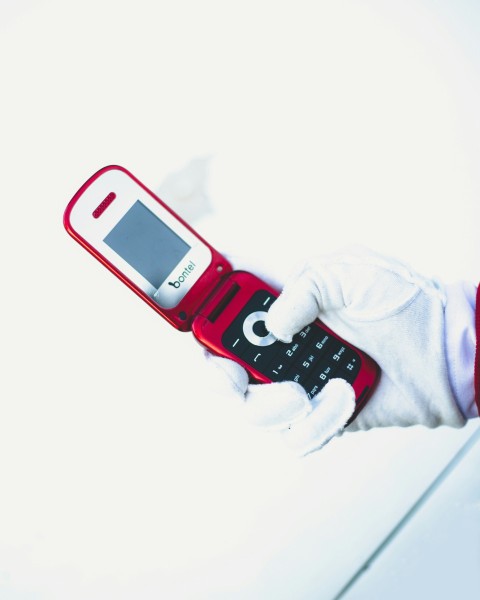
(384, 308)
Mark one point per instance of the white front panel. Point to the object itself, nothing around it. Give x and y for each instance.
(183, 274)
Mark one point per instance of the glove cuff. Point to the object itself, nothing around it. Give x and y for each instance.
(477, 351)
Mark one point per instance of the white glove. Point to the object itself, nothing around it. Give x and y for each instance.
(306, 425)
(385, 309)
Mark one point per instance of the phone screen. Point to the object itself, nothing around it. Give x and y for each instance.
(147, 244)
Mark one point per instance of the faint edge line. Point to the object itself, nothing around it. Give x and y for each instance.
(464, 450)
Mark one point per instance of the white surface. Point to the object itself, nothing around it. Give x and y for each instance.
(328, 122)
(436, 554)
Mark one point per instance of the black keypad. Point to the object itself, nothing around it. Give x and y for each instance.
(258, 357)
(349, 370)
(312, 358)
(320, 379)
(234, 340)
(286, 355)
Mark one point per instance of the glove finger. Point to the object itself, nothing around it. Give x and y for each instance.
(312, 290)
(230, 374)
(368, 285)
(275, 406)
(333, 406)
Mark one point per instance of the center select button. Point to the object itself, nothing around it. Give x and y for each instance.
(254, 325)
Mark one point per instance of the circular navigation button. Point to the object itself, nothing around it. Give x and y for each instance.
(260, 329)
(255, 324)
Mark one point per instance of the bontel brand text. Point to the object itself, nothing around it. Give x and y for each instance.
(184, 274)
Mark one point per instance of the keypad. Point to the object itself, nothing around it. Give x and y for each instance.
(312, 358)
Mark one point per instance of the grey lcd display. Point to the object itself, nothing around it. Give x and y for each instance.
(147, 244)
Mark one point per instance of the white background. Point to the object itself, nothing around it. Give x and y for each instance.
(123, 475)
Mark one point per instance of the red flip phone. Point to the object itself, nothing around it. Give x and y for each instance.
(174, 270)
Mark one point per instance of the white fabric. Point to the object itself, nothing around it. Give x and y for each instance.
(395, 315)
(461, 343)
(284, 407)
(381, 306)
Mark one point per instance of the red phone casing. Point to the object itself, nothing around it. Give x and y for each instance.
(180, 316)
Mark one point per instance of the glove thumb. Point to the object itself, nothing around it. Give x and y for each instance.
(332, 409)
(303, 298)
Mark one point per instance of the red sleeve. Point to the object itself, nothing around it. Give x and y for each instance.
(477, 350)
